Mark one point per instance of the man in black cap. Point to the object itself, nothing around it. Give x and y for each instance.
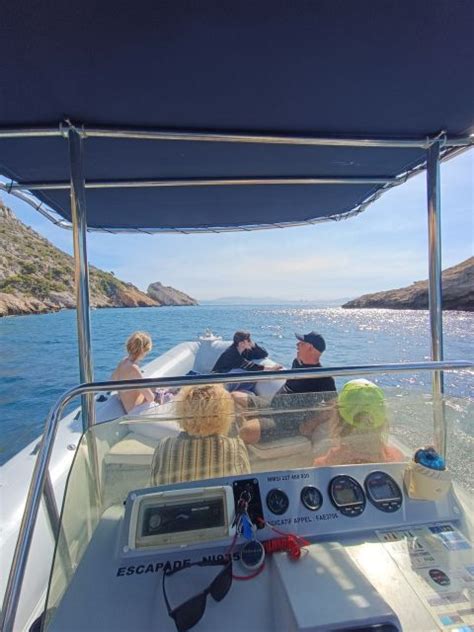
(308, 353)
(309, 349)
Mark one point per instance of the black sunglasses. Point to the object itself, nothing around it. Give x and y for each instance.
(190, 612)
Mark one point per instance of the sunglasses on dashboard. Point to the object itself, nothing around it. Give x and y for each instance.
(191, 611)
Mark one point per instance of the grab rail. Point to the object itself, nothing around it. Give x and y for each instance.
(40, 472)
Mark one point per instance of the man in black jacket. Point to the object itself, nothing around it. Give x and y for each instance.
(295, 393)
(308, 353)
(240, 355)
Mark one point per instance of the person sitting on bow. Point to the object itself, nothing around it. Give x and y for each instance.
(294, 393)
(240, 355)
(138, 346)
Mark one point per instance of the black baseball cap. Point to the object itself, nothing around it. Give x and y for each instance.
(314, 339)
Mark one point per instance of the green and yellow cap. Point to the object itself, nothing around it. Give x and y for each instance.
(362, 403)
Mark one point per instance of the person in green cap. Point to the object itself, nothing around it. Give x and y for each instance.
(360, 427)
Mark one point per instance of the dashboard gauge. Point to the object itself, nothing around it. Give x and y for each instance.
(277, 501)
(347, 496)
(439, 577)
(252, 555)
(311, 498)
(383, 492)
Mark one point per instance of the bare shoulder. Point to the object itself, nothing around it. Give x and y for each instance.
(126, 370)
(131, 370)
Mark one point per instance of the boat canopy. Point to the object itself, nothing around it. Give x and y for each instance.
(218, 115)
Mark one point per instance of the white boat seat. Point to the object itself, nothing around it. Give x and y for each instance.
(137, 450)
(133, 449)
(285, 453)
(208, 353)
(281, 447)
(156, 423)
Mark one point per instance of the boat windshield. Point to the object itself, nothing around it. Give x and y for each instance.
(204, 433)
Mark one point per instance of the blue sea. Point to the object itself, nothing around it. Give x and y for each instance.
(39, 360)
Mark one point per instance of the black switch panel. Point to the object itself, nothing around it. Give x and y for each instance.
(249, 490)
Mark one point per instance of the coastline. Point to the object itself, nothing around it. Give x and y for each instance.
(36, 277)
(43, 312)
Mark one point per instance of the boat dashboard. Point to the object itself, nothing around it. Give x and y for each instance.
(367, 557)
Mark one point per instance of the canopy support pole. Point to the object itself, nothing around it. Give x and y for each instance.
(81, 270)
(435, 293)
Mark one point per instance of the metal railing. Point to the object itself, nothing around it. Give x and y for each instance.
(166, 183)
(230, 137)
(39, 485)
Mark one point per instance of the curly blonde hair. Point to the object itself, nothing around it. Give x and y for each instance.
(205, 410)
(138, 344)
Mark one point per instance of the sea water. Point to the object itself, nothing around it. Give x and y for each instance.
(38, 354)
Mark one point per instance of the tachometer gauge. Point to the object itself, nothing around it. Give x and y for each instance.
(347, 496)
(311, 498)
(277, 501)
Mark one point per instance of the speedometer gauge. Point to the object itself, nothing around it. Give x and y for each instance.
(347, 496)
(277, 501)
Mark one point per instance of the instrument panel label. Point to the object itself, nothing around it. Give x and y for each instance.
(303, 519)
(167, 565)
(296, 476)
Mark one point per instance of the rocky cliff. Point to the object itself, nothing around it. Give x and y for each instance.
(166, 295)
(37, 277)
(458, 292)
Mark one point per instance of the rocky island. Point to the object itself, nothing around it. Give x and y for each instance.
(166, 295)
(458, 292)
(36, 277)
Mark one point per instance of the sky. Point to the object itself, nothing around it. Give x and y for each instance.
(384, 247)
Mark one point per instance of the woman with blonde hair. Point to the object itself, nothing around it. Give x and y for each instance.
(138, 346)
(360, 427)
(203, 449)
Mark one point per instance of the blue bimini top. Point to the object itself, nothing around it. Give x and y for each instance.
(223, 115)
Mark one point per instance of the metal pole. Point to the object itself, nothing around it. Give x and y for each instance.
(81, 271)
(231, 137)
(56, 527)
(204, 182)
(435, 292)
(27, 526)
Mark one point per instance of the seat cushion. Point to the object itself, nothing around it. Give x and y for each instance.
(155, 423)
(133, 449)
(281, 448)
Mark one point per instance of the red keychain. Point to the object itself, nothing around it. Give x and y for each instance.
(289, 542)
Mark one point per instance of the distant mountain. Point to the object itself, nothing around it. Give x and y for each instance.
(458, 292)
(268, 300)
(167, 295)
(37, 277)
